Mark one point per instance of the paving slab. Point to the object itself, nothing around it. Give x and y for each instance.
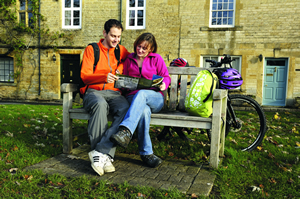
(187, 178)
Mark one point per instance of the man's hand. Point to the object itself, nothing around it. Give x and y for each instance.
(111, 78)
(162, 87)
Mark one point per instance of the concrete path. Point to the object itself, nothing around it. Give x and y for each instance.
(188, 178)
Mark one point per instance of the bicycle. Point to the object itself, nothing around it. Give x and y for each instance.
(245, 118)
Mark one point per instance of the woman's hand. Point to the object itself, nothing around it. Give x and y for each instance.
(162, 87)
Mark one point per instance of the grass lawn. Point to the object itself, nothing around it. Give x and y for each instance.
(32, 133)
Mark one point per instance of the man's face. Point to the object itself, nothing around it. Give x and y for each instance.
(112, 38)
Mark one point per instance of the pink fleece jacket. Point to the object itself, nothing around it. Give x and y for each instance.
(153, 64)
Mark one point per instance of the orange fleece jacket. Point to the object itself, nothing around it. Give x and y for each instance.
(107, 64)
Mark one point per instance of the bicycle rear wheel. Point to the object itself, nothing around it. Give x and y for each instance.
(249, 130)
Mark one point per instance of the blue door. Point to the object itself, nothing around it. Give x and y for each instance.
(275, 82)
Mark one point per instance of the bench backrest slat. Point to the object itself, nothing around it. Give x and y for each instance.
(177, 95)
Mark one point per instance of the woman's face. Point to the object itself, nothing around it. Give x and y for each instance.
(143, 49)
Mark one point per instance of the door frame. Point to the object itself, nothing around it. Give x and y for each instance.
(286, 82)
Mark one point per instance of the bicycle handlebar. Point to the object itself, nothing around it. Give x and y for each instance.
(226, 60)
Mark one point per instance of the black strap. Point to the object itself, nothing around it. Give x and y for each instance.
(96, 54)
(117, 53)
(211, 88)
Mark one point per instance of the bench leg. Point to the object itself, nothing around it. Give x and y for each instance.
(224, 108)
(215, 134)
(67, 123)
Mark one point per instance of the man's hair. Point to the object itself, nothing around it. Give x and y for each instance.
(149, 38)
(112, 23)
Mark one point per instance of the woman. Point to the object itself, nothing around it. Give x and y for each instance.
(144, 62)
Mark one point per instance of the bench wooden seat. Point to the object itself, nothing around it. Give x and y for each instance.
(172, 115)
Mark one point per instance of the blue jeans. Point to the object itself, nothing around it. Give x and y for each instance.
(138, 116)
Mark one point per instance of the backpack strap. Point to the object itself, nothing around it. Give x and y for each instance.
(96, 53)
(211, 88)
(117, 53)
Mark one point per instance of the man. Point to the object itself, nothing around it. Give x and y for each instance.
(101, 98)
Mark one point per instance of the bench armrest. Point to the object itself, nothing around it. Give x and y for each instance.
(68, 87)
(219, 94)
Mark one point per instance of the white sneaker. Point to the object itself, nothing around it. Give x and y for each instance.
(101, 162)
(108, 166)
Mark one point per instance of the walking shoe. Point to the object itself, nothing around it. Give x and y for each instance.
(151, 160)
(108, 166)
(101, 162)
(122, 137)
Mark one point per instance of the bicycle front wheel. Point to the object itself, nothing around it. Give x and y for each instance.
(250, 127)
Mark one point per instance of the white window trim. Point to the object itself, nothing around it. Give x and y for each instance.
(135, 27)
(221, 26)
(71, 9)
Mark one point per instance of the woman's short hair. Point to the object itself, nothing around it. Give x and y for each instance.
(149, 38)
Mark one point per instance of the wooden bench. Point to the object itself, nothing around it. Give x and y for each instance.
(172, 115)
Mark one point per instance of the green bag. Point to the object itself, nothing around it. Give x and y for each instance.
(198, 101)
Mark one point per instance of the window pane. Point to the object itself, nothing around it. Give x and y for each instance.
(131, 22)
(230, 21)
(30, 19)
(225, 21)
(68, 14)
(214, 21)
(67, 21)
(29, 5)
(219, 6)
(230, 14)
(132, 3)
(140, 3)
(276, 62)
(131, 13)
(140, 13)
(225, 6)
(76, 13)
(76, 22)
(22, 18)
(140, 22)
(76, 4)
(214, 6)
(219, 21)
(219, 14)
(68, 18)
(215, 1)
(214, 14)
(67, 3)
(22, 4)
(225, 1)
(231, 6)
(225, 14)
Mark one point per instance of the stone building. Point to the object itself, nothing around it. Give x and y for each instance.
(261, 35)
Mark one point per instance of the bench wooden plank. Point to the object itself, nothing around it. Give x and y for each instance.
(183, 92)
(173, 93)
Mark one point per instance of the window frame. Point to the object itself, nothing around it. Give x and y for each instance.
(136, 8)
(9, 68)
(222, 10)
(27, 11)
(72, 9)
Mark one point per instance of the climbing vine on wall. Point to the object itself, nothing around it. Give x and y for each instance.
(20, 37)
